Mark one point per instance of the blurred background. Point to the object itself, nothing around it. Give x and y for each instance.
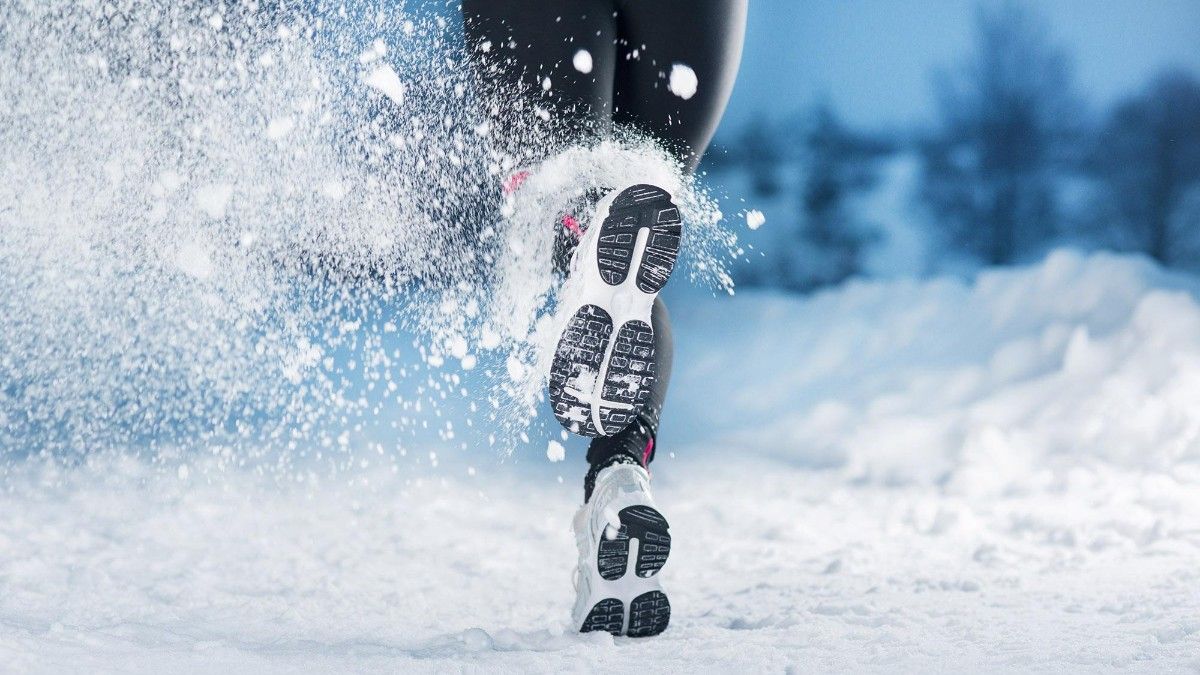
(883, 138)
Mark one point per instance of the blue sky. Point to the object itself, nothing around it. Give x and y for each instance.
(872, 58)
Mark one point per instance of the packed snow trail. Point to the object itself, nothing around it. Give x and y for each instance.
(800, 570)
(998, 475)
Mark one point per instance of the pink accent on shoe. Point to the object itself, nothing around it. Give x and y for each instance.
(646, 453)
(571, 224)
(514, 182)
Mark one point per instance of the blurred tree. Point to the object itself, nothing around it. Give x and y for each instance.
(1008, 116)
(1148, 159)
(831, 236)
(761, 157)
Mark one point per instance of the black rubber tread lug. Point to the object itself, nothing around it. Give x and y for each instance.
(607, 615)
(633, 208)
(662, 250)
(649, 527)
(630, 378)
(639, 195)
(614, 420)
(614, 249)
(612, 558)
(580, 348)
(649, 614)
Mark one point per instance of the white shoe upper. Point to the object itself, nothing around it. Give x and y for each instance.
(617, 487)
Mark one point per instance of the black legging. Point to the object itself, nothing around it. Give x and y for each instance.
(632, 45)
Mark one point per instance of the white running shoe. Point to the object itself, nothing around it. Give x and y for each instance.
(623, 543)
(604, 365)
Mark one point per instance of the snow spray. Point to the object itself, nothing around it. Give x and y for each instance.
(268, 234)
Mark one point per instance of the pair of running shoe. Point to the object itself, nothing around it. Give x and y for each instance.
(619, 250)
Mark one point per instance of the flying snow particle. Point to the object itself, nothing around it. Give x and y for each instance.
(485, 46)
(388, 82)
(458, 346)
(168, 182)
(683, 81)
(213, 199)
(376, 51)
(333, 189)
(489, 339)
(182, 472)
(193, 258)
(555, 451)
(583, 61)
(516, 369)
(755, 219)
(280, 127)
(546, 84)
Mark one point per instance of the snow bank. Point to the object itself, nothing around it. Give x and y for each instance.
(978, 385)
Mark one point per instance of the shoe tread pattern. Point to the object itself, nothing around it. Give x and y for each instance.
(577, 364)
(630, 377)
(607, 615)
(649, 614)
(650, 529)
(612, 555)
(637, 207)
(648, 526)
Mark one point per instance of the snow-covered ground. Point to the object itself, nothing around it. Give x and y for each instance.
(889, 476)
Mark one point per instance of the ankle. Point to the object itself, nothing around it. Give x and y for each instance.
(589, 481)
(634, 445)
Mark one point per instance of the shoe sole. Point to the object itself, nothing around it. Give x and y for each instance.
(604, 365)
(649, 610)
